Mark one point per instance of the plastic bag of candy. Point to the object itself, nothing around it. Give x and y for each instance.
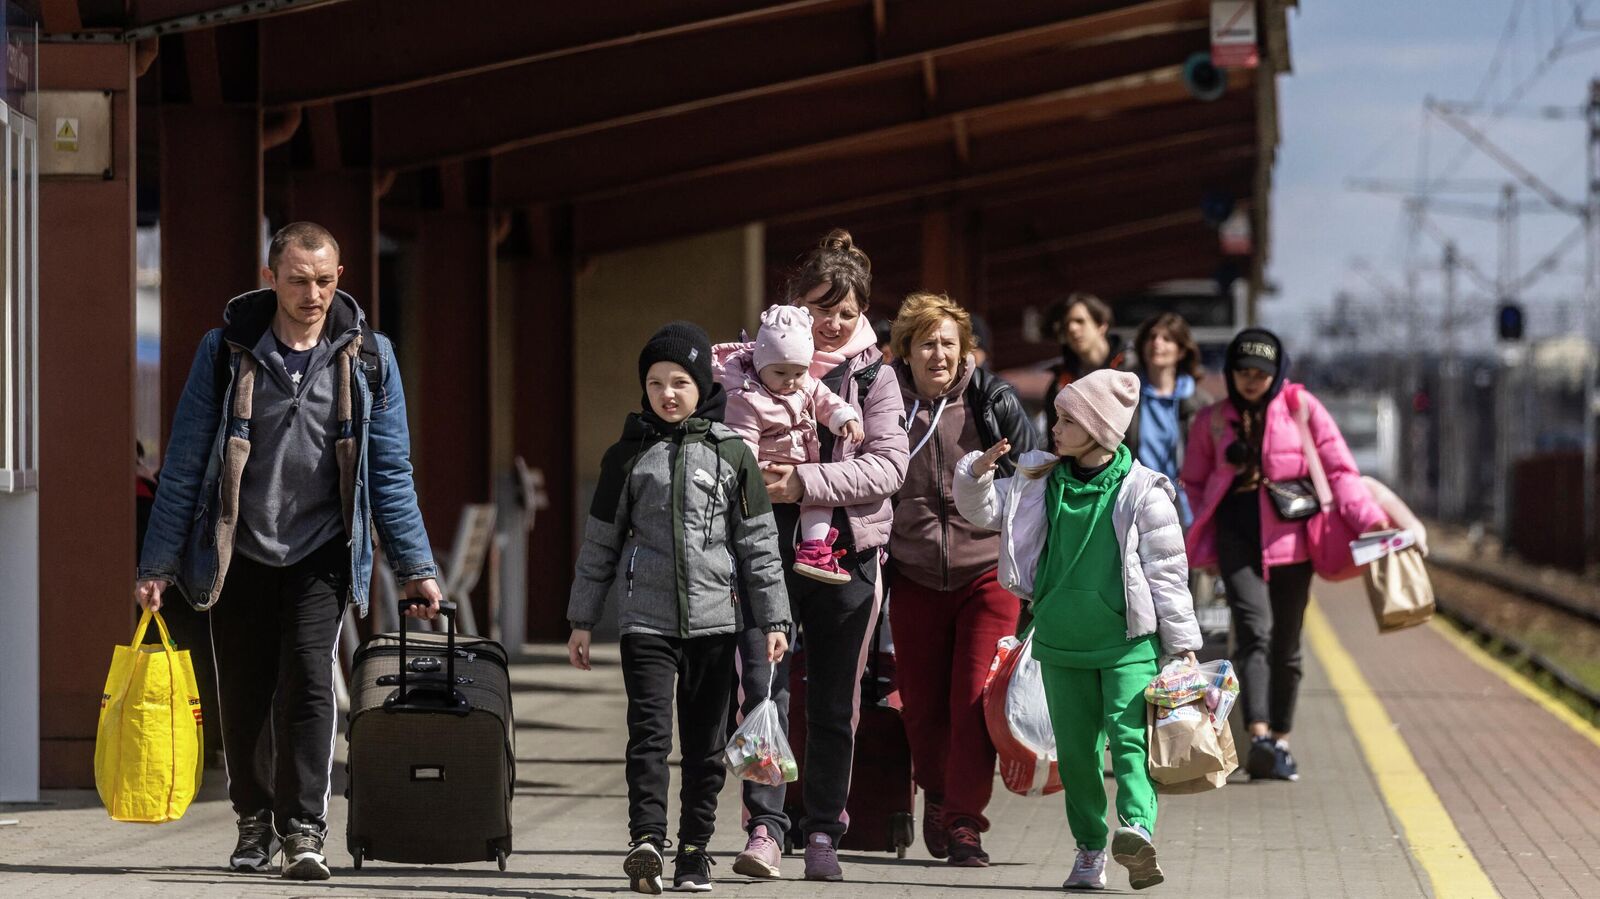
(1181, 683)
(759, 751)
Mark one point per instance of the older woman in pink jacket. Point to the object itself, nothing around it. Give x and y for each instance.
(856, 480)
(1239, 450)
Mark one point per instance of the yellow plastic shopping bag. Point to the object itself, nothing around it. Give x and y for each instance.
(147, 752)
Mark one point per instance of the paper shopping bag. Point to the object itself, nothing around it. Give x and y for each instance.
(1183, 744)
(147, 750)
(1214, 780)
(1399, 590)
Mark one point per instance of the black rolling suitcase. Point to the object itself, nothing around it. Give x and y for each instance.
(432, 763)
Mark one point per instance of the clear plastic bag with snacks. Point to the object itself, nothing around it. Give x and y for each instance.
(759, 751)
(1181, 683)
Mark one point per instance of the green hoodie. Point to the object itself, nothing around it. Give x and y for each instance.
(1080, 610)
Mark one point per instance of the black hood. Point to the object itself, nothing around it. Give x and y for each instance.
(1278, 380)
(249, 315)
(1071, 364)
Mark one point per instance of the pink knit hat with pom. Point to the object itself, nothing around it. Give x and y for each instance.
(1102, 402)
(785, 337)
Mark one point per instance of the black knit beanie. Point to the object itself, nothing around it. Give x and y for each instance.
(685, 343)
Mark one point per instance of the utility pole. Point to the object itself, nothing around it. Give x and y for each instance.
(1451, 498)
(1591, 296)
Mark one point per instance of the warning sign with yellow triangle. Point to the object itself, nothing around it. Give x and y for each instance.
(66, 139)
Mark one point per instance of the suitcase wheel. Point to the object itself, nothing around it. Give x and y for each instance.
(356, 856)
(500, 856)
(902, 831)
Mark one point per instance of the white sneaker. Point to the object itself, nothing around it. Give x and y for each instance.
(303, 858)
(1088, 872)
(1133, 849)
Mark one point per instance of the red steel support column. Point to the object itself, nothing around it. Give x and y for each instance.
(86, 418)
(211, 194)
(545, 387)
(448, 337)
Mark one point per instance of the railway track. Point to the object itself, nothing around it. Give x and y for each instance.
(1510, 647)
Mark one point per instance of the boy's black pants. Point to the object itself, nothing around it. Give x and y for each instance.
(274, 633)
(698, 672)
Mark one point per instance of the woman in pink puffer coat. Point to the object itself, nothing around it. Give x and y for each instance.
(1238, 447)
(776, 406)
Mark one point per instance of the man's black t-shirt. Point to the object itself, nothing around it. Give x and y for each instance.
(294, 361)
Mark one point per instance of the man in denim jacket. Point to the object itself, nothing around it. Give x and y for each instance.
(289, 445)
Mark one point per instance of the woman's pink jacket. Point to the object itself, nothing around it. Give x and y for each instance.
(1207, 476)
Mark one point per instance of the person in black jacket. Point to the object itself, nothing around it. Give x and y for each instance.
(947, 607)
(1087, 345)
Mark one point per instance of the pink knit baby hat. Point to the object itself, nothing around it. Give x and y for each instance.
(785, 337)
(1102, 402)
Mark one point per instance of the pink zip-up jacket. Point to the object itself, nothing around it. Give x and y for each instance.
(1206, 476)
(779, 428)
(863, 476)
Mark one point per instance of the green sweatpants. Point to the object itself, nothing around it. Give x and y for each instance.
(1087, 705)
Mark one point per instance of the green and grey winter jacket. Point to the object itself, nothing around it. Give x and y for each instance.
(680, 523)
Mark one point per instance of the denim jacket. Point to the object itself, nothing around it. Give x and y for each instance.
(190, 537)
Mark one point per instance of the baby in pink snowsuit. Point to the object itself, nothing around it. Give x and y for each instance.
(776, 406)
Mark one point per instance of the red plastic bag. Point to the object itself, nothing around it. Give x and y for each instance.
(1019, 720)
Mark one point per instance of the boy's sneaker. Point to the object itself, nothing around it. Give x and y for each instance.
(761, 855)
(822, 862)
(1263, 757)
(258, 843)
(1283, 765)
(643, 865)
(966, 846)
(1088, 872)
(934, 836)
(691, 870)
(1132, 849)
(303, 858)
(818, 560)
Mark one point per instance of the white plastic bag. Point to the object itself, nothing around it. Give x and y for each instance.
(1018, 719)
(759, 751)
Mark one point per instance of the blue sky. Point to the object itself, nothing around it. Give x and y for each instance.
(1353, 107)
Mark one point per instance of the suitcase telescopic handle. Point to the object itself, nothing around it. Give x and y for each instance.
(448, 609)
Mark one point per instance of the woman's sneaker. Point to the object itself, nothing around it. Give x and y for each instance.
(1088, 872)
(1132, 848)
(822, 862)
(691, 870)
(761, 855)
(303, 858)
(1283, 764)
(258, 844)
(1262, 758)
(934, 836)
(643, 865)
(818, 560)
(966, 845)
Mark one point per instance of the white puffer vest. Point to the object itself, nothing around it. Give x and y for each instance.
(1155, 570)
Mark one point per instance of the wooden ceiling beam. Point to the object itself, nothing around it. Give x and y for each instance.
(805, 75)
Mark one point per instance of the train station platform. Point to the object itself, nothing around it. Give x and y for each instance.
(1427, 770)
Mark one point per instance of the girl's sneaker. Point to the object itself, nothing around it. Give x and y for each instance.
(1283, 764)
(643, 865)
(1262, 758)
(818, 560)
(934, 836)
(1132, 848)
(691, 870)
(1088, 872)
(966, 845)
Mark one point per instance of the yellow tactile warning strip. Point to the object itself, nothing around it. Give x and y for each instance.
(1429, 831)
(1518, 681)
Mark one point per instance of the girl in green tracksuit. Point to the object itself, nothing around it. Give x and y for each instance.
(1092, 538)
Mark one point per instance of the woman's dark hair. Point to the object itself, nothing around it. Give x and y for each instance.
(837, 262)
(1177, 330)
